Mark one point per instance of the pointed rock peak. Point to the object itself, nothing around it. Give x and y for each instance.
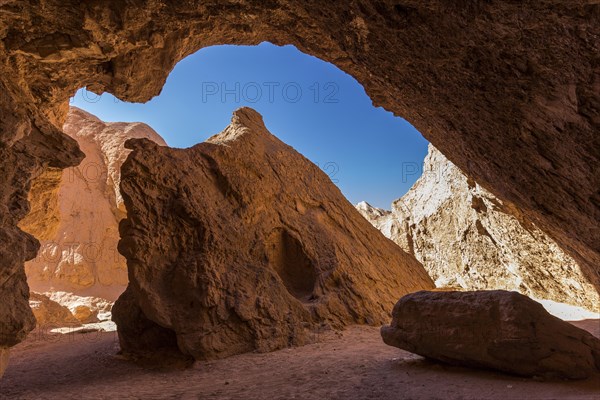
(247, 220)
(363, 205)
(368, 210)
(247, 116)
(243, 121)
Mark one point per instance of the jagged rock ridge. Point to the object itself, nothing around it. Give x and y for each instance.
(240, 244)
(467, 238)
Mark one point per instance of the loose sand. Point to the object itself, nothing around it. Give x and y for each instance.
(355, 364)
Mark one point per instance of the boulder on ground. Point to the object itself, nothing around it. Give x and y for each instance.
(495, 329)
(241, 244)
(85, 314)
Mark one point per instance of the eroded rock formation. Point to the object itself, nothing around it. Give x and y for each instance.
(49, 313)
(496, 329)
(240, 244)
(86, 309)
(78, 272)
(467, 238)
(509, 91)
(76, 213)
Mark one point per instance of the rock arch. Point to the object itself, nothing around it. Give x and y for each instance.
(508, 91)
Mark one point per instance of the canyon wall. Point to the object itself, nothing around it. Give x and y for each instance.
(508, 91)
(75, 214)
(241, 244)
(467, 238)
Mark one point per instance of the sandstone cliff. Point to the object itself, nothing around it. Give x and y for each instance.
(468, 238)
(240, 244)
(75, 214)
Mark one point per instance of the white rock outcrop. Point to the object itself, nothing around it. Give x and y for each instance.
(50, 314)
(75, 214)
(467, 238)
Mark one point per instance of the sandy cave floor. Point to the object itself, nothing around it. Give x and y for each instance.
(354, 364)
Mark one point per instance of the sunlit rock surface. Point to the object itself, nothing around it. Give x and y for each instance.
(495, 329)
(467, 238)
(75, 214)
(240, 244)
(49, 313)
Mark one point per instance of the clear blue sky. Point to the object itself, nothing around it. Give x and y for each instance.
(313, 106)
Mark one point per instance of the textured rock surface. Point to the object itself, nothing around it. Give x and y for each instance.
(17, 167)
(467, 238)
(492, 329)
(240, 244)
(509, 91)
(86, 309)
(3, 360)
(49, 313)
(76, 213)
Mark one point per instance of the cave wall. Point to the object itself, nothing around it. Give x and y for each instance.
(508, 91)
(29, 145)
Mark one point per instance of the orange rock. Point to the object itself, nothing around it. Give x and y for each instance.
(508, 91)
(76, 213)
(241, 243)
(50, 314)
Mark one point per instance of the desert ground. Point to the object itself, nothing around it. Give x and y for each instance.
(354, 364)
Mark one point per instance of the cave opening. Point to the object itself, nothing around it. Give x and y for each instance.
(321, 111)
(314, 106)
(287, 249)
(310, 104)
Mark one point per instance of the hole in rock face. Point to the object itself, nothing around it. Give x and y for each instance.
(288, 258)
(323, 113)
(309, 104)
